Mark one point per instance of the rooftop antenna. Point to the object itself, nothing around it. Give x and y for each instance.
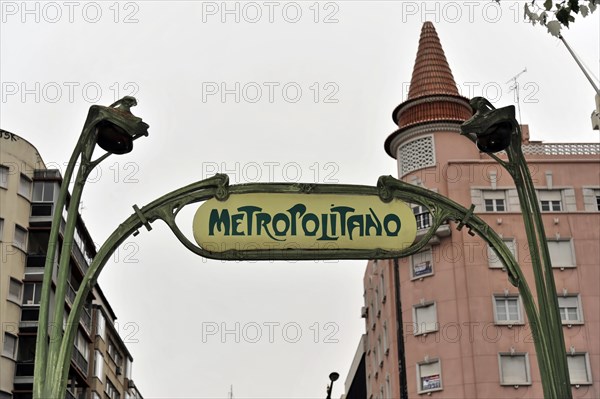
(230, 394)
(515, 86)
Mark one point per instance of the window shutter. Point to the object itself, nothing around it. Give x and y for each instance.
(578, 369)
(561, 253)
(514, 369)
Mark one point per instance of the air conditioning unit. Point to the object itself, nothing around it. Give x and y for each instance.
(119, 371)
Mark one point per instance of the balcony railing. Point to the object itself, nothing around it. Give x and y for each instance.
(86, 320)
(24, 369)
(46, 174)
(70, 294)
(80, 259)
(80, 361)
(562, 148)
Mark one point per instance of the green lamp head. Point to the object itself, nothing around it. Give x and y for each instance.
(493, 128)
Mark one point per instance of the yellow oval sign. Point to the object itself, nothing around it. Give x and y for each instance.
(303, 221)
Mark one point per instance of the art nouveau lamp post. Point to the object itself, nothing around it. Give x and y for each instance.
(495, 130)
(114, 129)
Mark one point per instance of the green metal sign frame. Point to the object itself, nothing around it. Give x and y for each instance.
(53, 355)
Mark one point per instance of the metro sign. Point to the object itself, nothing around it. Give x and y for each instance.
(303, 221)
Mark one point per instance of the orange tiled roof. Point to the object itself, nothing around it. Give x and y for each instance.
(431, 74)
(433, 95)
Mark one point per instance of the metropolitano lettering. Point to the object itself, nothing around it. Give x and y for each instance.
(341, 221)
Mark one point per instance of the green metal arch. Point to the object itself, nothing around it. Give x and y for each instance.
(168, 206)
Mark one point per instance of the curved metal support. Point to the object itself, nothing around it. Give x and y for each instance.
(168, 206)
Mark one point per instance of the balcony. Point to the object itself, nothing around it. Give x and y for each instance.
(80, 362)
(24, 373)
(41, 212)
(86, 321)
(80, 259)
(70, 294)
(35, 264)
(29, 316)
(424, 221)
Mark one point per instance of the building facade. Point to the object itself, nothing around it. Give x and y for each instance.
(101, 363)
(446, 322)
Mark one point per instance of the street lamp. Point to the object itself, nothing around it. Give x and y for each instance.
(114, 129)
(332, 377)
(495, 130)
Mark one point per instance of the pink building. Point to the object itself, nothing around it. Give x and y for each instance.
(462, 330)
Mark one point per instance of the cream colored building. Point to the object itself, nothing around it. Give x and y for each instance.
(463, 332)
(101, 363)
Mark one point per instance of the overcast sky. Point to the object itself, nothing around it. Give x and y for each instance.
(264, 91)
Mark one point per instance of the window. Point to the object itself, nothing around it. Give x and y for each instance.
(388, 387)
(1, 228)
(579, 368)
(514, 369)
(591, 199)
(43, 191)
(32, 293)
(82, 346)
(376, 308)
(570, 311)
(20, 239)
(382, 286)
(14, 290)
(429, 377)
(423, 217)
(98, 365)
(101, 324)
(379, 352)
(26, 352)
(95, 395)
(386, 346)
(111, 391)
(37, 242)
(25, 186)
(9, 347)
(114, 353)
(561, 253)
(374, 365)
(507, 309)
(493, 258)
(3, 176)
(550, 200)
(494, 201)
(425, 318)
(128, 367)
(422, 264)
